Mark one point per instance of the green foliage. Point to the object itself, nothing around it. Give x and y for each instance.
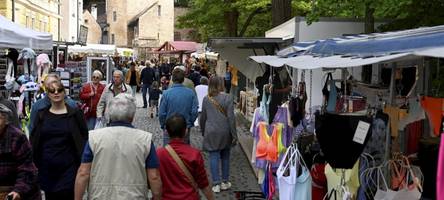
(400, 14)
(207, 16)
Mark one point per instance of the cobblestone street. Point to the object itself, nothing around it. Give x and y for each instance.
(241, 175)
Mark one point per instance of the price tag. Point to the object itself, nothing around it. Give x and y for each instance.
(361, 132)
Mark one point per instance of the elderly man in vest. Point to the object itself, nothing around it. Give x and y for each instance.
(119, 161)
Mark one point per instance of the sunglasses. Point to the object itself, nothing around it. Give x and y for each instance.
(52, 90)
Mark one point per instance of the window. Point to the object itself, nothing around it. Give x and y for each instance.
(112, 39)
(45, 27)
(33, 23)
(27, 22)
(86, 21)
(159, 10)
(114, 16)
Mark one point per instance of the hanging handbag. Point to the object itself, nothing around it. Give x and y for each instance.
(218, 106)
(182, 166)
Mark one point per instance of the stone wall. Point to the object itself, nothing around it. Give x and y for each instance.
(94, 31)
(119, 27)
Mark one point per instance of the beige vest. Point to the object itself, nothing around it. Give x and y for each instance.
(118, 168)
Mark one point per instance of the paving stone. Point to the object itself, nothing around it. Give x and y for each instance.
(241, 175)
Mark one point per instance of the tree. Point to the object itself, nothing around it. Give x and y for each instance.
(399, 14)
(234, 18)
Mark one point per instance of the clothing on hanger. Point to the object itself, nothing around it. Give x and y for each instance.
(396, 114)
(435, 111)
(351, 179)
(336, 133)
(292, 186)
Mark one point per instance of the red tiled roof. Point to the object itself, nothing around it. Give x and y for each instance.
(186, 46)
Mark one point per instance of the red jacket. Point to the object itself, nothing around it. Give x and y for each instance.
(175, 185)
(91, 101)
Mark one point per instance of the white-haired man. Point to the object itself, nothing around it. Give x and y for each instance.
(111, 90)
(119, 161)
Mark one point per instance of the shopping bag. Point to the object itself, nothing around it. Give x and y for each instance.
(99, 124)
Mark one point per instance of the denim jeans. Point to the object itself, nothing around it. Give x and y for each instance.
(166, 137)
(134, 90)
(145, 90)
(217, 157)
(91, 123)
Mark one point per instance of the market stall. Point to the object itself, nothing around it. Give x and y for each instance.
(176, 49)
(24, 61)
(362, 131)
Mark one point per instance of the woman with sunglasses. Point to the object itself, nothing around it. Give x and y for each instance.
(90, 95)
(57, 141)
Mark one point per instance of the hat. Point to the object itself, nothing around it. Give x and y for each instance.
(181, 67)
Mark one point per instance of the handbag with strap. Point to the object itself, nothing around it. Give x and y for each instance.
(182, 166)
(218, 106)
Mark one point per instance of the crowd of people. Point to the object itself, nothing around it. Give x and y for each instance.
(76, 151)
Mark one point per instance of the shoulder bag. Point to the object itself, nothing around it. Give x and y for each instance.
(218, 106)
(182, 166)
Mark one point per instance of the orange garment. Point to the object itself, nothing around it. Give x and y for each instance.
(396, 114)
(267, 146)
(434, 108)
(234, 77)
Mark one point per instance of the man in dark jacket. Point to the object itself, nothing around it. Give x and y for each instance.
(147, 77)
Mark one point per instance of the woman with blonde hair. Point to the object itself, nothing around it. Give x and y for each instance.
(58, 139)
(218, 125)
(90, 96)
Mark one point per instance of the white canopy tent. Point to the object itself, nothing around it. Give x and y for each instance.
(13, 35)
(314, 62)
(106, 49)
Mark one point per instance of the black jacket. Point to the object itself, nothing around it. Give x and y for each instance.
(147, 75)
(77, 125)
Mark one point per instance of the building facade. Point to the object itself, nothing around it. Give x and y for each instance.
(72, 18)
(134, 23)
(94, 29)
(39, 15)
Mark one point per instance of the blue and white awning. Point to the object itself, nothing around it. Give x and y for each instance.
(358, 50)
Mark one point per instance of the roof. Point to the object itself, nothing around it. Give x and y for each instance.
(358, 50)
(13, 35)
(178, 47)
(135, 18)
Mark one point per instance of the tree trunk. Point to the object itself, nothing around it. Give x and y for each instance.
(369, 18)
(280, 11)
(231, 18)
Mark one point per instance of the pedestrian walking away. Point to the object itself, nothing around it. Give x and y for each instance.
(154, 96)
(147, 77)
(178, 99)
(119, 161)
(182, 167)
(218, 126)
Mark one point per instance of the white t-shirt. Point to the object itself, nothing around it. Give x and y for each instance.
(201, 91)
